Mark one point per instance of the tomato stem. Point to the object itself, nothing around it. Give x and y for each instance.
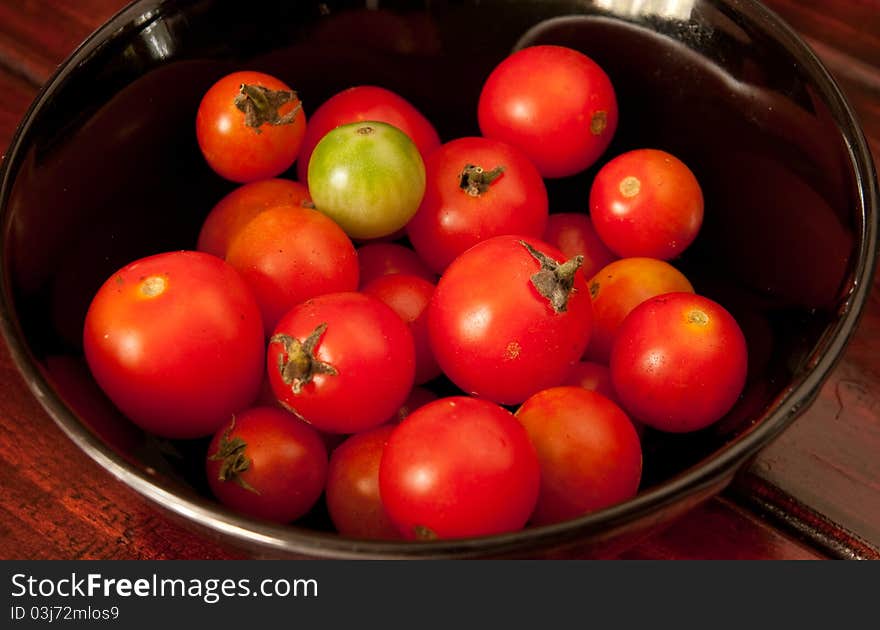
(474, 180)
(260, 106)
(231, 454)
(298, 365)
(554, 281)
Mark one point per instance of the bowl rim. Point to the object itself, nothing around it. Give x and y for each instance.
(214, 519)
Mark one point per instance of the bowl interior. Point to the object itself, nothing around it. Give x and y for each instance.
(107, 169)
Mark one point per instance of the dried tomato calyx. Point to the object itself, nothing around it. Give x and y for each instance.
(474, 180)
(234, 461)
(298, 365)
(554, 281)
(260, 106)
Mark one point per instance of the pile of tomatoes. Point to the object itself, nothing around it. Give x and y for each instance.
(409, 330)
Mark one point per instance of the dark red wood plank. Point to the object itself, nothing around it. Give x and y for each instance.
(720, 530)
(35, 35)
(57, 503)
(800, 520)
(15, 96)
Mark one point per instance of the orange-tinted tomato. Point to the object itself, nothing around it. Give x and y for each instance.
(289, 254)
(250, 126)
(237, 208)
(621, 286)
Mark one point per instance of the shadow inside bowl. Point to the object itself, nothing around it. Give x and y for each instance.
(106, 169)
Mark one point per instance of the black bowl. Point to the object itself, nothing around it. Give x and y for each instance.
(105, 169)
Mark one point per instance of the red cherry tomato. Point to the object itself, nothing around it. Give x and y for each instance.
(573, 233)
(593, 376)
(363, 103)
(508, 318)
(409, 296)
(267, 463)
(553, 103)
(289, 254)
(379, 259)
(621, 286)
(250, 126)
(176, 341)
(476, 189)
(344, 362)
(589, 452)
(458, 467)
(418, 397)
(352, 490)
(236, 209)
(646, 203)
(679, 362)
(596, 377)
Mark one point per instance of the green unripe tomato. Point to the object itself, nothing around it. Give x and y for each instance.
(368, 177)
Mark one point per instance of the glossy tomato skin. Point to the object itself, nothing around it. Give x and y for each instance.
(553, 103)
(621, 286)
(176, 341)
(409, 296)
(493, 334)
(368, 177)
(459, 211)
(379, 259)
(573, 234)
(352, 491)
(593, 376)
(288, 254)
(362, 103)
(240, 152)
(459, 467)
(239, 206)
(589, 452)
(418, 397)
(596, 377)
(371, 358)
(284, 464)
(648, 203)
(679, 362)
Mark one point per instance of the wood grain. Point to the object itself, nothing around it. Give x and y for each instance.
(15, 95)
(704, 534)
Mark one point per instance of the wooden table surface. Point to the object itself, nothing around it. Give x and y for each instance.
(813, 493)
